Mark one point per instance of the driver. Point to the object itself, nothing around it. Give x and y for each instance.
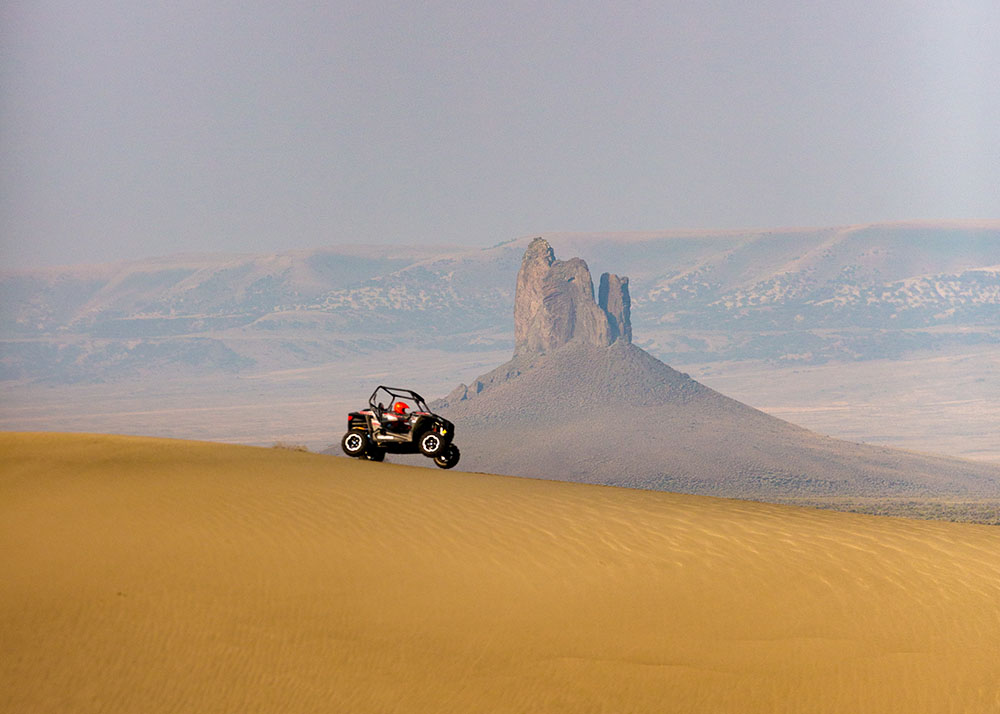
(396, 418)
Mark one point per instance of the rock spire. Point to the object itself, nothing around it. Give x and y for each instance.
(554, 304)
(613, 298)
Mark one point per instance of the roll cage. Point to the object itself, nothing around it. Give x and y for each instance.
(394, 394)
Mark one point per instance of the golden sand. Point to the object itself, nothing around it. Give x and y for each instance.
(144, 575)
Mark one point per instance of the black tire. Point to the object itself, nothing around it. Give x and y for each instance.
(375, 454)
(354, 443)
(449, 458)
(431, 444)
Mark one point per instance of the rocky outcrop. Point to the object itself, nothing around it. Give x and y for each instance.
(579, 402)
(554, 304)
(613, 298)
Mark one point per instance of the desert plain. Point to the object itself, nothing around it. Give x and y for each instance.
(154, 575)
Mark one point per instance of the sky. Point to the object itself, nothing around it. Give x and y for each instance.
(133, 129)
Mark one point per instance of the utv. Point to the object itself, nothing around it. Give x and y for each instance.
(398, 421)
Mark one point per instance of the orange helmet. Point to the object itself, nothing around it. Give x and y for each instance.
(399, 408)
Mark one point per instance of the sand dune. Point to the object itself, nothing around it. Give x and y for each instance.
(144, 575)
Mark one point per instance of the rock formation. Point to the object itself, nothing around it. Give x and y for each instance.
(613, 298)
(580, 402)
(554, 304)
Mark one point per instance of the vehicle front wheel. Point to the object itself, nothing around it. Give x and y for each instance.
(375, 454)
(431, 444)
(354, 443)
(449, 458)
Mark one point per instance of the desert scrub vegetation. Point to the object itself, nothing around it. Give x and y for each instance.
(289, 447)
(985, 511)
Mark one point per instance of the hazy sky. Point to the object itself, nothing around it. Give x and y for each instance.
(142, 128)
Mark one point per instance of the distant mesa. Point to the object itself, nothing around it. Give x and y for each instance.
(783, 296)
(579, 402)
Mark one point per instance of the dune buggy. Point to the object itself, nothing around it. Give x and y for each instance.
(379, 430)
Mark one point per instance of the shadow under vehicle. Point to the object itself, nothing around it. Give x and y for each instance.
(372, 433)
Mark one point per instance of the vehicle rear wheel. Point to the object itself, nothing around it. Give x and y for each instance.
(354, 443)
(431, 444)
(449, 458)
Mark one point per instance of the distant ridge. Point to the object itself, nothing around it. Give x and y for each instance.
(576, 404)
(791, 296)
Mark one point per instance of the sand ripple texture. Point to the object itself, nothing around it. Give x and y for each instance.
(143, 575)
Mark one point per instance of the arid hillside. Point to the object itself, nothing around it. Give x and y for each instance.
(615, 415)
(798, 296)
(580, 402)
(145, 575)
